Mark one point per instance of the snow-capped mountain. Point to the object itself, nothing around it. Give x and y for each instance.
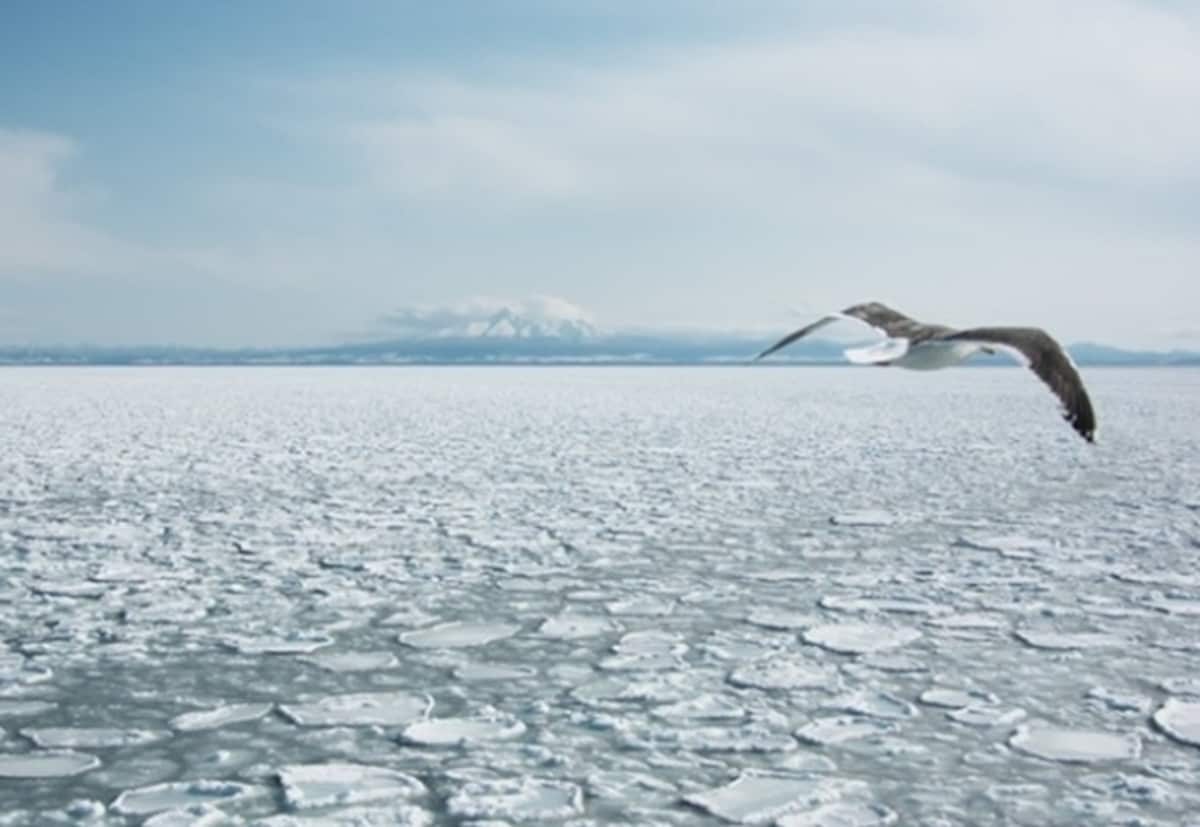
(539, 317)
(510, 324)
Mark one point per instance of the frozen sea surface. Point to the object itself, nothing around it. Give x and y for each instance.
(588, 595)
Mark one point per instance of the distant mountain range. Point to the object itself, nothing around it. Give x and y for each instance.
(534, 331)
(510, 341)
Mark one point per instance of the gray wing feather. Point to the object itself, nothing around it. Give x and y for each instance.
(1050, 362)
(889, 322)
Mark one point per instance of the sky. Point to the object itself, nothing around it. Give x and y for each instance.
(289, 172)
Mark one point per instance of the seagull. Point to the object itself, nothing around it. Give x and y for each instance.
(919, 346)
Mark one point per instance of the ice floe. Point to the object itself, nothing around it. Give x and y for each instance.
(1180, 720)
(219, 717)
(866, 603)
(952, 698)
(577, 626)
(860, 638)
(353, 661)
(517, 799)
(969, 620)
(488, 726)
(840, 728)
(987, 715)
(458, 635)
(58, 737)
(362, 708)
(841, 814)
(180, 794)
(23, 709)
(784, 672)
(762, 798)
(313, 786)
(871, 704)
(299, 645)
(702, 707)
(492, 672)
(196, 815)
(1082, 746)
(389, 814)
(781, 619)
(46, 764)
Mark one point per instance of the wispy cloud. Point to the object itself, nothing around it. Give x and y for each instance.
(971, 161)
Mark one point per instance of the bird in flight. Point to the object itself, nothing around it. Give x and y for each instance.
(919, 346)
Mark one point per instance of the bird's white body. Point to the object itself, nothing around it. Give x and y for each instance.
(928, 355)
(936, 355)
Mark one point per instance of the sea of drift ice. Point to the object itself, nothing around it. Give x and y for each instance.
(652, 596)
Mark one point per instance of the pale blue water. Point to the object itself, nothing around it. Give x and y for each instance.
(581, 595)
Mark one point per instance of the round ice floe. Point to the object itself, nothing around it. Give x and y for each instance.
(46, 764)
(352, 661)
(492, 672)
(21, 709)
(455, 731)
(1074, 746)
(952, 698)
(309, 786)
(784, 672)
(866, 603)
(840, 728)
(1061, 641)
(458, 635)
(841, 814)
(576, 626)
(276, 645)
(646, 606)
(889, 662)
(179, 794)
(517, 799)
(1120, 701)
(390, 814)
(197, 815)
(411, 616)
(752, 738)
(363, 708)
(969, 620)
(987, 715)
(1180, 720)
(701, 707)
(53, 737)
(222, 716)
(782, 620)
(760, 798)
(872, 705)
(657, 688)
(650, 643)
(860, 638)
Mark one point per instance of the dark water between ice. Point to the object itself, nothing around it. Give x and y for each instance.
(591, 595)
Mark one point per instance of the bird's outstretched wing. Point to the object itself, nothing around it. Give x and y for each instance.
(889, 322)
(1039, 351)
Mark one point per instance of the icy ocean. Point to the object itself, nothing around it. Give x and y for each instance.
(556, 595)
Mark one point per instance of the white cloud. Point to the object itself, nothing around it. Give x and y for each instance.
(971, 161)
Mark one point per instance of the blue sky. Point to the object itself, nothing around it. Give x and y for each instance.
(293, 172)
